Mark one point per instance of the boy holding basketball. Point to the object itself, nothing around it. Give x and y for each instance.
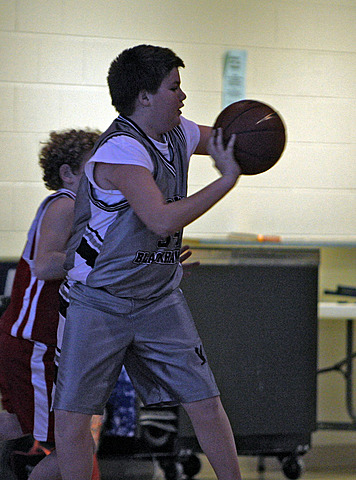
(124, 271)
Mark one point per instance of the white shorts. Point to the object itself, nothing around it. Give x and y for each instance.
(156, 340)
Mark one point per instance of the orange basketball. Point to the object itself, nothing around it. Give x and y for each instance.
(260, 134)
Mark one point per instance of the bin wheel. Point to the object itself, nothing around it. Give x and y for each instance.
(292, 467)
(191, 465)
(172, 469)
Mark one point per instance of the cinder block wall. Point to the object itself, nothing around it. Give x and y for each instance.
(301, 59)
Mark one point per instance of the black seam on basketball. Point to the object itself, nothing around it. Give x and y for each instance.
(257, 132)
(253, 154)
(240, 114)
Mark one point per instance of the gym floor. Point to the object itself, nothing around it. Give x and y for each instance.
(129, 469)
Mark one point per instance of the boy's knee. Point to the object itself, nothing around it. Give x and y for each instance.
(207, 407)
(73, 429)
(71, 424)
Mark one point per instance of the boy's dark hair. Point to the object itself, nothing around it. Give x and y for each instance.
(139, 68)
(69, 147)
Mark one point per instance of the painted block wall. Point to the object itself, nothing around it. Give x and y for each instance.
(54, 57)
(300, 58)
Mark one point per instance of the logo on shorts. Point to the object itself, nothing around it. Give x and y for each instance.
(199, 352)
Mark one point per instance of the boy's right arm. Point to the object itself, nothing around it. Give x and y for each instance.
(140, 190)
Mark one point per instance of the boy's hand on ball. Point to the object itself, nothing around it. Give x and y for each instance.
(223, 157)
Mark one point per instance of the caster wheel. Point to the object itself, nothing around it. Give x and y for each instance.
(191, 465)
(292, 467)
(172, 470)
(261, 466)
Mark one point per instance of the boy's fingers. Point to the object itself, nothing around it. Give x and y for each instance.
(231, 141)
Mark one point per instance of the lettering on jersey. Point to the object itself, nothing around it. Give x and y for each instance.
(163, 257)
(167, 257)
(175, 198)
(176, 238)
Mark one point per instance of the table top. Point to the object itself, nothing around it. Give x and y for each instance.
(236, 240)
(337, 310)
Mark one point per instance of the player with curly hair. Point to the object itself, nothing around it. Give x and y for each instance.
(64, 148)
(28, 328)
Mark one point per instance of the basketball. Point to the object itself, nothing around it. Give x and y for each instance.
(260, 134)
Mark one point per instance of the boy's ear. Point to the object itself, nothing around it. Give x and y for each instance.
(65, 172)
(144, 98)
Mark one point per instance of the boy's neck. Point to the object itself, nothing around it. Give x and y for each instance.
(146, 126)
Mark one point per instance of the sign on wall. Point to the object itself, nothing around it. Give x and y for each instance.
(234, 76)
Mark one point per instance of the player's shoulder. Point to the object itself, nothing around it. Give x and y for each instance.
(61, 193)
(60, 201)
(188, 125)
(191, 133)
(122, 143)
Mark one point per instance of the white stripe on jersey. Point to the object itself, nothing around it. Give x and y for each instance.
(38, 379)
(26, 303)
(27, 331)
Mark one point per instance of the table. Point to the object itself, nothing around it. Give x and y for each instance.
(341, 311)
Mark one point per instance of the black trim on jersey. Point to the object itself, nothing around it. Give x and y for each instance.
(96, 233)
(115, 207)
(57, 195)
(179, 132)
(112, 135)
(118, 133)
(167, 164)
(60, 193)
(88, 253)
(63, 305)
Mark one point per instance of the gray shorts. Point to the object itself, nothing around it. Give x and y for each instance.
(156, 339)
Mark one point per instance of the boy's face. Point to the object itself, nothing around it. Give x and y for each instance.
(167, 102)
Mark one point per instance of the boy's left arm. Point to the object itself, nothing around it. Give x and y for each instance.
(185, 253)
(55, 232)
(205, 134)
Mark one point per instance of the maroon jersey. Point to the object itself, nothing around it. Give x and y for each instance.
(33, 310)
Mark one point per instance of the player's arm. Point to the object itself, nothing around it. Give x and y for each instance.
(54, 234)
(203, 145)
(140, 190)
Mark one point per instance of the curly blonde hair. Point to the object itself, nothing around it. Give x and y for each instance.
(69, 147)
